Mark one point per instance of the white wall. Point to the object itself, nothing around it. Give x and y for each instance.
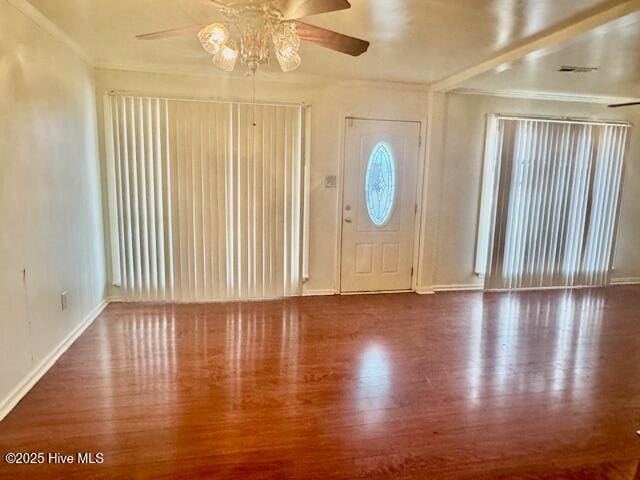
(462, 121)
(50, 213)
(330, 103)
(456, 146)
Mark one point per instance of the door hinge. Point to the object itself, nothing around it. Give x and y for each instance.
(412, 272)
(419, 141)
(416, 209)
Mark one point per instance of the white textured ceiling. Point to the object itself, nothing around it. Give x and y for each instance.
(411, 40)
(613, 48)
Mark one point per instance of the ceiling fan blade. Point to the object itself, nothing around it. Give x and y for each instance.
(218, 4)
(333, 40)
(629, 104)
(172, 32)
(292, 9)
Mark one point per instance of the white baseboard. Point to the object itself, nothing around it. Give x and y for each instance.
(625, 281)
(458, 287)
(11, 400)
(425, 291)
(318, 293)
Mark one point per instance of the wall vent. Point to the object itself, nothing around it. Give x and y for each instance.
(574, 69)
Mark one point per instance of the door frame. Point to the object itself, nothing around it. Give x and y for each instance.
(417, 233)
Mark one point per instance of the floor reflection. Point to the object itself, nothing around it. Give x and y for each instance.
(147, 349)
(373, 385)
(257, 341)
(511, 342)
(357, 387)
(238, 351)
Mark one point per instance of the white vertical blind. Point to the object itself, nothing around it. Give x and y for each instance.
(550, 202)
(207, 205)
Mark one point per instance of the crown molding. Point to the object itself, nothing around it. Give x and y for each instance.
(34, 15)
(548, 96)
(178, 70)
(301, 79)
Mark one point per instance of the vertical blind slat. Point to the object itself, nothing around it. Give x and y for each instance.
(555, 202)
(208, 204)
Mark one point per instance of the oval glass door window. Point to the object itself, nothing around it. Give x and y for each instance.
(380, 184)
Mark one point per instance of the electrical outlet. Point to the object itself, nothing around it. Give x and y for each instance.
(64, 300)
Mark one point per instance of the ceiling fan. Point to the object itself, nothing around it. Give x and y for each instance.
(255, 28)
(628, 104)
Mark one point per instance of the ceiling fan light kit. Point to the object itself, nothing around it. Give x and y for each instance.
(259, 29)
(255, 31)
(213, 37)
(227, 57)
(286, 44)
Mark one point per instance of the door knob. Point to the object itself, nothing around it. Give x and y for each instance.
(347, 220)
(347, 208)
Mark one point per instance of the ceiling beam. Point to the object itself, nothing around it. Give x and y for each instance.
(593, 18)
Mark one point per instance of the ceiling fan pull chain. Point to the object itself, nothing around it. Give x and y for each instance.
(253, 99)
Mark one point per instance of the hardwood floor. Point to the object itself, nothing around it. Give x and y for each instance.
(536, 385)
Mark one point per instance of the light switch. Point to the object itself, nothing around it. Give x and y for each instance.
(64, 300)
(330, 181)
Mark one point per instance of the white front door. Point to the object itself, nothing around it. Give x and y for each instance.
(379, 205)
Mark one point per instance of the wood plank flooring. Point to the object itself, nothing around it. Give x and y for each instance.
(535, 385)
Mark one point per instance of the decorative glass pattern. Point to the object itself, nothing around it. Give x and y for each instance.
(380, 184)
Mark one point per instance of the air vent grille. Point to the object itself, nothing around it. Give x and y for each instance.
(574, 69)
